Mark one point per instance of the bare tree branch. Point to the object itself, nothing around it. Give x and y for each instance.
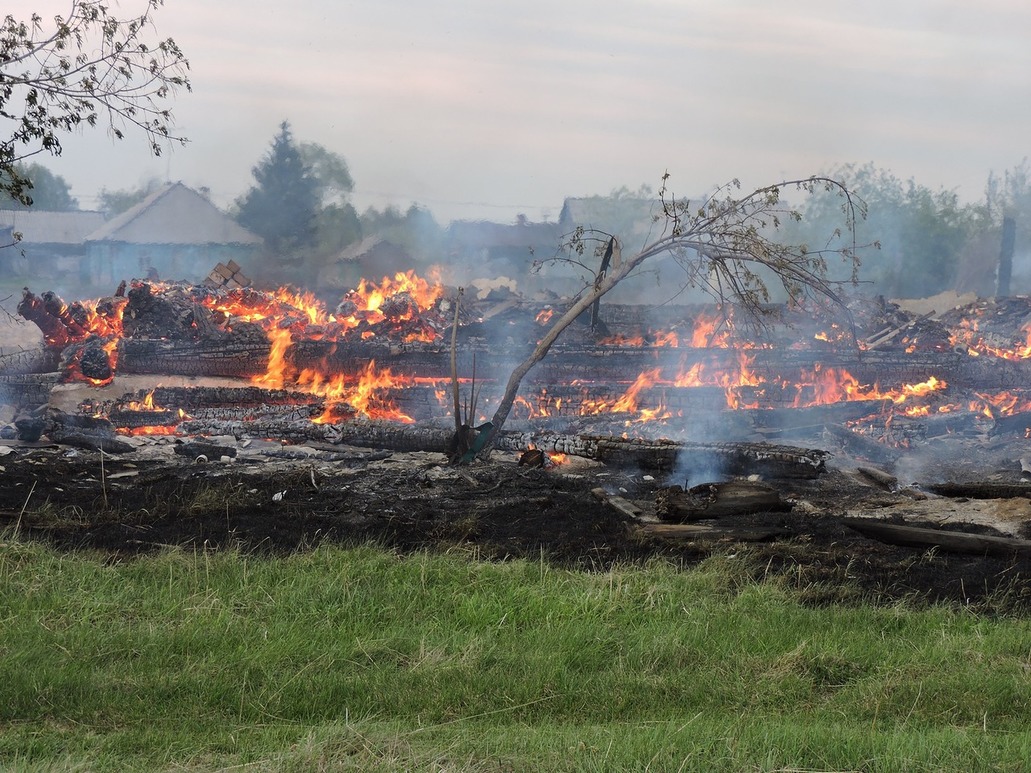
(724, 245)
(89, 63)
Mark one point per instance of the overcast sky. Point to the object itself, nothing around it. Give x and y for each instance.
(480, 109)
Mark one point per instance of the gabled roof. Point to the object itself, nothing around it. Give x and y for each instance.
(44, 227)
(481, 233)
(356, 250)
(631, 219)
(174, 214)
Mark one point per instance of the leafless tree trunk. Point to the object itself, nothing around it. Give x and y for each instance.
(722, 242)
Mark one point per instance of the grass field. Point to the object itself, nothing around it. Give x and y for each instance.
(362, 659)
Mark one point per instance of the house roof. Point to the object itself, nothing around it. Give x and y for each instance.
(485, 234)
(366, 245)
(174, 214)
(44, 227)
(628, 218)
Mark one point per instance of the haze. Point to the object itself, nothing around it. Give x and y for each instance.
(489, 110)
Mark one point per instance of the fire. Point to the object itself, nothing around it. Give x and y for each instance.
(628, 402)
(833, 385)
(394, 306)
(715, 332)
(397, 301)
(1000, 404)
(405, 308)
(146, 404)
(667, 338)
(346, 396)
(156, 430)
(970, 336)
(731, 381)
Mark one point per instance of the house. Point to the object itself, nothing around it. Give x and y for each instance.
(52, 244)
(373, 258)
(631, 220)
(478, 243)
(174, 233)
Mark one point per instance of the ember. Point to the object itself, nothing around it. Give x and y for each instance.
(381, 353)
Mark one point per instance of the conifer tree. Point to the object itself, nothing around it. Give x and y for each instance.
(283, 205)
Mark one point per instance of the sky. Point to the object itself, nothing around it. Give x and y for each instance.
(487, 109)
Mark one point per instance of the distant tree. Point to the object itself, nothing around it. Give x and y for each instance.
(1009, 195)
(415, 229)
(917, 235)
(330, 172)
(379, 220)
(115, 202)
(50, 192)
(84, 65)
(336, 227)
(283, 206)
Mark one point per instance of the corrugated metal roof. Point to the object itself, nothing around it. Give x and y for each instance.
(44, 227)
(174, 214)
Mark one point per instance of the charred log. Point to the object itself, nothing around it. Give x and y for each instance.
(981, 490)
(704, 532)
(857, 445)
(717, 500)
(30, 389)
(75, 318)
(952, 541)
(93, 360)
(34, 309)
(84, 432)
(732, 458)
(768, 460)
(240, 356)
(152, 316)
(1014, 424)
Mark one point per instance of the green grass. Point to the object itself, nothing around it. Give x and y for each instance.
(360, 659)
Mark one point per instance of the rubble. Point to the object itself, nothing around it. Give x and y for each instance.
(270, 386)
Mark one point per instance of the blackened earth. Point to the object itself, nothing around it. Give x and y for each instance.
(124, 508)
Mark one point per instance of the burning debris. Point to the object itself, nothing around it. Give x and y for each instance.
(680, 421)
(685, 374)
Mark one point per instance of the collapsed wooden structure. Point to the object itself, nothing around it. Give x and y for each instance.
(650, 393)
(652, 384)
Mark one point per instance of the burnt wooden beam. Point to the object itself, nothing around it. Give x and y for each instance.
(717, 500)
(701, 532)
(1014, 424)
(857, 445)
(951, 541)
(231, 357)
(36, 310)
(616, 502)
(980, 490)
(733, 458)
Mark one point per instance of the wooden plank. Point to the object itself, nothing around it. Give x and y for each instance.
(617, 502)
(880, 477)
(687, 531)
(951, 541)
